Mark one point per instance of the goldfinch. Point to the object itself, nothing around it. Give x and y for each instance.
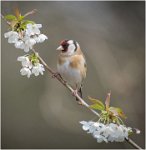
(71, 64)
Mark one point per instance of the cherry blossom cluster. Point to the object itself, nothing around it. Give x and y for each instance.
(108, 133)
(26, 39)
(29, 68)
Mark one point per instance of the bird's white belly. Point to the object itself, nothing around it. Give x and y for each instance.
(71, 75)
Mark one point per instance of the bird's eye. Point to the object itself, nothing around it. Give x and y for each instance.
(64, 44)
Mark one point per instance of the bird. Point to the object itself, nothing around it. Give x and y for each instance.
(71, 65)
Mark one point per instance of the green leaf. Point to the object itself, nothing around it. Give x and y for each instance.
(10, 17)
(117, 111)
(29, 21)
(21, 18)
(97, 106)
(104, 112)
(97, 102)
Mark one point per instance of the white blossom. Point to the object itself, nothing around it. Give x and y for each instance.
(33, 29)
(20, 44)
(107, 133)
(26, 48)
(86, 125)
(8, 34)
(29, 68)
(25, 61)
(25, 71)
(41, 38)
(22, 58)
(38, 69)
(137, 131)
(12, 36)
(29, 44)
(31, 36)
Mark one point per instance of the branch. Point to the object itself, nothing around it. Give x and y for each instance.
(51, 71)
(59, 78)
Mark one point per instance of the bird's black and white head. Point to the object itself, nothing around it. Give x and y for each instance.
(68, 47)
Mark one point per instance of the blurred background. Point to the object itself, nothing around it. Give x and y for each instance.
(39, 113)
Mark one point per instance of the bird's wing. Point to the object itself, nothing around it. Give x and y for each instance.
(78, 62)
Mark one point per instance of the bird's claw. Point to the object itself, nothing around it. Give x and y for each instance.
(75, 93)
(56, 74)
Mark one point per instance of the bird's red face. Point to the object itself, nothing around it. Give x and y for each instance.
(64, 45)
(68, 47)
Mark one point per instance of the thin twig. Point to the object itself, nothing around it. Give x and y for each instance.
(5, 19)
(30, 12)
(130, 141)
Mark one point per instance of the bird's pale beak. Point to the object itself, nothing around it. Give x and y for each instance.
(60, 48)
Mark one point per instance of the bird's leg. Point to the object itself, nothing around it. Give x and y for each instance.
(75, 93)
